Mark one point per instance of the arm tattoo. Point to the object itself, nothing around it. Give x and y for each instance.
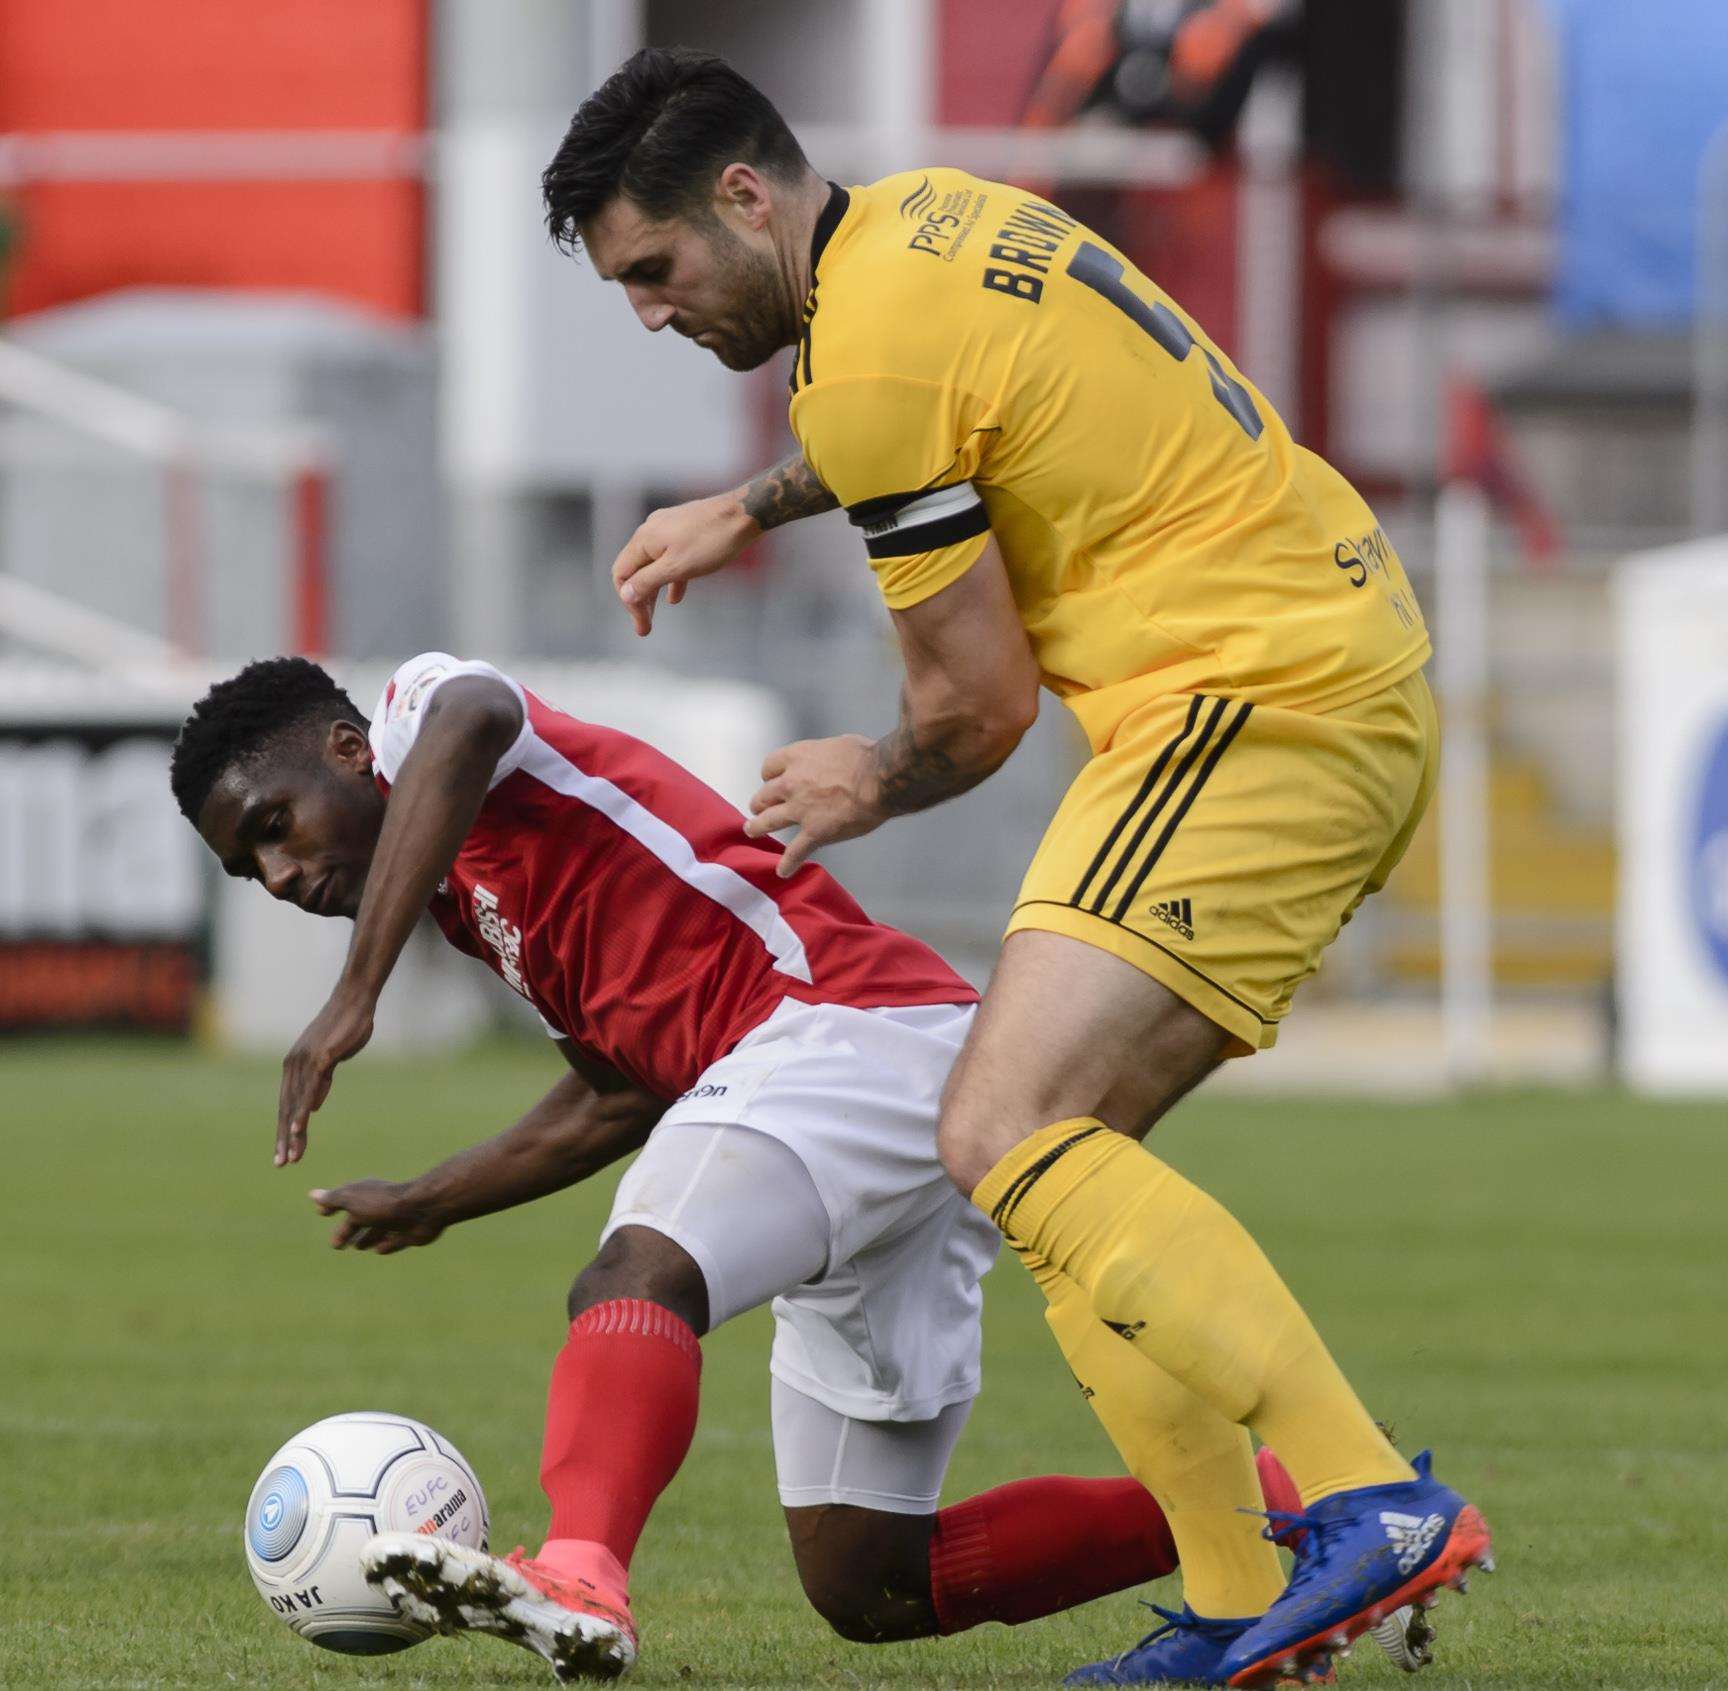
(785, 493)
(910, 776)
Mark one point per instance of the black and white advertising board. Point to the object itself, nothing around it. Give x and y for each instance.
(103, 899)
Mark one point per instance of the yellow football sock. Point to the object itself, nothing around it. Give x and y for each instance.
(1199, 1466)
(1180, 1278)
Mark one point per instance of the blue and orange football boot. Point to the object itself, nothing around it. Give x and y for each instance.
(1406, 1634)
(1185, 1650)
(1365, 1553)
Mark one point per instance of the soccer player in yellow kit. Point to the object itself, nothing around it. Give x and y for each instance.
(1060, 481)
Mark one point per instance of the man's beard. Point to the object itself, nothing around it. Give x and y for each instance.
(751, 281)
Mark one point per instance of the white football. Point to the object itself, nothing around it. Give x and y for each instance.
(327, 1491)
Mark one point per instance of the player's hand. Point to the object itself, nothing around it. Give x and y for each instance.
(676, 546)
(377, 1215)
(340, 1029)
(820, 787)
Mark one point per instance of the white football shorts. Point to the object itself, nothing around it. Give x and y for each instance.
(801, 1168)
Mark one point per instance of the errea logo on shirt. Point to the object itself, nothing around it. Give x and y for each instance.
(504, 937)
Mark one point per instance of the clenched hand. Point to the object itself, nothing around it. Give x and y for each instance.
(377, 1215)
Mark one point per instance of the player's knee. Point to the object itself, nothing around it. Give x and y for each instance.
(971, 1138)
(966, 1160)
(983, 1118)
(865, 1573)
(637, 1262)
(861, 1605)
(846, 1609)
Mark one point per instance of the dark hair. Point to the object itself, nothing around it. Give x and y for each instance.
(237, 718)
(659, 130)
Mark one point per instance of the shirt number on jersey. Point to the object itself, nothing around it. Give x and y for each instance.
(1096, 269)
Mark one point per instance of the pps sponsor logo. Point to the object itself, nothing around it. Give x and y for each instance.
(941, 225)
(919, 201)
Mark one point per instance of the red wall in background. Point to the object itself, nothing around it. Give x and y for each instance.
(215, 65)
(987, 56)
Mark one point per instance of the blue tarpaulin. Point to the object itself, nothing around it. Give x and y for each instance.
(1643, 89)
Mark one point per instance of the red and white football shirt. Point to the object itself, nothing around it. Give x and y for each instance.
(620, 896)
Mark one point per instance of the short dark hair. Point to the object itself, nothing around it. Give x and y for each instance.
(659, 130)
(237, 719)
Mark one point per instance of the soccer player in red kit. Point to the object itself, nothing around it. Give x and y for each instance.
(777, 1056)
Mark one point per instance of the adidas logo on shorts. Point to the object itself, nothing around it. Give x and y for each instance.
(1410, 1536)
(1176, 913)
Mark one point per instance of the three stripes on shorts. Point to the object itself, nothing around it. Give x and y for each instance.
(1203, 739)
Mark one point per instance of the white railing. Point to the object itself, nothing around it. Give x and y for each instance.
(191, 155)
(45, 622)
(187, 451)
(1081, 153)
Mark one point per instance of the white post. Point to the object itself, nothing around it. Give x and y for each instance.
(1461, 626)
(899, 83)
(1269, 246)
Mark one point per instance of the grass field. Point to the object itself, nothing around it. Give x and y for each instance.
(1534, 1284)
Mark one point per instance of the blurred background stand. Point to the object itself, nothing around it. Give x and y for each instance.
(292, 365)
(262, 539)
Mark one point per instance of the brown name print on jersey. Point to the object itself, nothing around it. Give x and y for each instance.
(1026, 243)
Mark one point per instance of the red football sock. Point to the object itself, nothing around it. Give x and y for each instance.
(619, 1419)
(1037, 1546)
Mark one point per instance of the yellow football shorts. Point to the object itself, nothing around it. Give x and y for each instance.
(1219, 845)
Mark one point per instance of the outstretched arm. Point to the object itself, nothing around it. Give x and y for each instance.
(971, 693)
(470, 723)
(677, 545)
(590, 1119)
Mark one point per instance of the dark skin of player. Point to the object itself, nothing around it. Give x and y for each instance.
(307, 822)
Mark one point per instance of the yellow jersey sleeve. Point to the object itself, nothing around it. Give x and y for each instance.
(900, 455)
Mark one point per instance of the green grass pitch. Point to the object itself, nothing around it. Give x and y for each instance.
(1532, 1283)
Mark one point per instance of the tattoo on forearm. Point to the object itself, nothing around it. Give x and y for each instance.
(913, 777)
(785, 493)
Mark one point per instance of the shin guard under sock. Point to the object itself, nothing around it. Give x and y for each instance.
(619, 1419)
(1173, 1272)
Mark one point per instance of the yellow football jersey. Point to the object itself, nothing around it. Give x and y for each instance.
(974, 359)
